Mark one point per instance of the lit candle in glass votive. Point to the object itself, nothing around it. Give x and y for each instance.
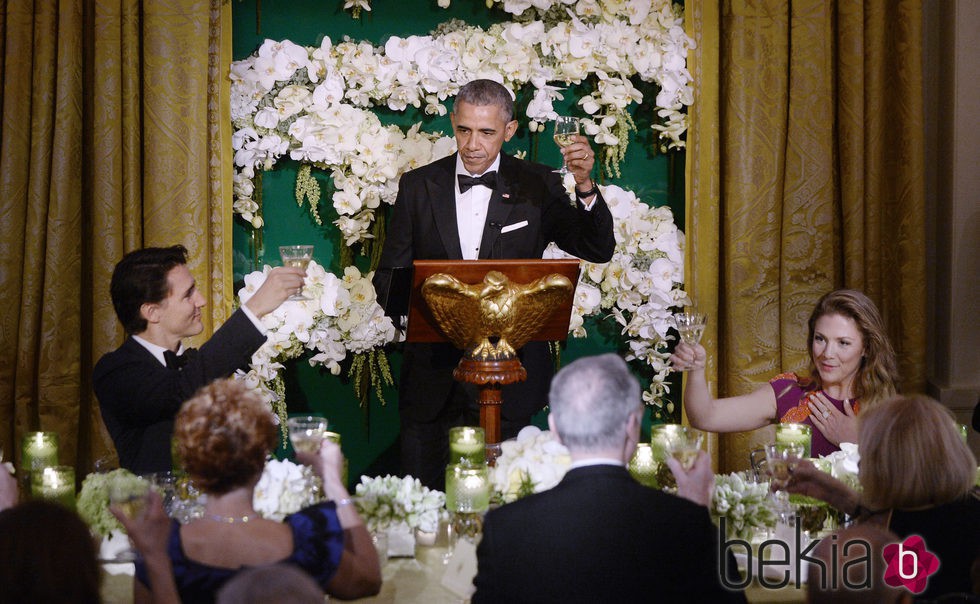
(467, 445)
(964, 432)
(660, 437)
(40, 449)
(788, 434)
(467, 488)
(56, 483)
(643, 466)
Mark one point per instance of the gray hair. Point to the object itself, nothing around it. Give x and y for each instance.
(487, 92)
(591, 400)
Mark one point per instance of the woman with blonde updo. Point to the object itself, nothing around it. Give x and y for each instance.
(224, 435)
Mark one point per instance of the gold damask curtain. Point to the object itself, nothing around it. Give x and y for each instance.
(805, 174)
(114, 117)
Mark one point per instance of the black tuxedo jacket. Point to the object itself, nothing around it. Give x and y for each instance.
(139, 397)
(600, 536)
(423, 227)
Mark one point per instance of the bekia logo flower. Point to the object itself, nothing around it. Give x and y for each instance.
(910, 564)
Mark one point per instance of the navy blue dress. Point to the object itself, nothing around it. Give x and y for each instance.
(318, 544)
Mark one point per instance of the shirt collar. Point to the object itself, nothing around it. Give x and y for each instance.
(460, 169)
(596, 461)
(157, 351)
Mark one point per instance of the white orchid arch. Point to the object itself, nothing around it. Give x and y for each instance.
(315, 104)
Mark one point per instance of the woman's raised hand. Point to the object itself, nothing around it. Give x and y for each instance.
(688, 357)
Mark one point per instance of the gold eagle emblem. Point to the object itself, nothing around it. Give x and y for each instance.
(472, 316)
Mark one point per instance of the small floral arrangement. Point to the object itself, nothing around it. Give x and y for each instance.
(533, 462)
(341, 316)
(93, 500)
(638, 288)
(744, 504)
(392, 501)
(285, 488)
(843, 464)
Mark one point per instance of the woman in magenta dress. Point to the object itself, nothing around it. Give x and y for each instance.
(852, 365)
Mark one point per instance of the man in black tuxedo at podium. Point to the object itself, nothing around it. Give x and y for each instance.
(600, 536)
(481, 204)
(142, 384)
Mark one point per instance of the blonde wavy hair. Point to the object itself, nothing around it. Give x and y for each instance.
(912, 455)
(224, 434)
(878, 375)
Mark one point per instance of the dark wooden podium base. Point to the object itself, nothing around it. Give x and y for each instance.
(490, 376)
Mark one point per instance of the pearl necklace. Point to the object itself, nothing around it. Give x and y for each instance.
(230, 519)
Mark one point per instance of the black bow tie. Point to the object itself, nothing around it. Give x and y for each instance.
(488, 180)
(173, 360)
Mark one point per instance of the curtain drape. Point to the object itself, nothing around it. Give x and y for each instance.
(114, 118)
(805, 174)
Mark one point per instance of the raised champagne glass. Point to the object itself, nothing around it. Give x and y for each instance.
(566, 128)
(307, 432)
(684, 445)
(690, 327)
(296, 256)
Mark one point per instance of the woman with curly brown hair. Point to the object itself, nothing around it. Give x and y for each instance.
(852, 367)
(224, 435)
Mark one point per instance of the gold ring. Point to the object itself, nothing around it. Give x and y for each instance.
(826, 414)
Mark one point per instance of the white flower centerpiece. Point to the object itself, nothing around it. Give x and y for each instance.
(533, 462)
(743, 503)
(399, 506)
(285, 488)
(342, 316)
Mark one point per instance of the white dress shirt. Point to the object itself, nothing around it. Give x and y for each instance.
(471, 211)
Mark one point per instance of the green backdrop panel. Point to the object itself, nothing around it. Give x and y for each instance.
(370, 432)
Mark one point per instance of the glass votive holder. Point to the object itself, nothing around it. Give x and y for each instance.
(56, 483)
(661, 436)
(467, 444)
(39, 450)
(467, 488)
(789, 434)
(643, 466)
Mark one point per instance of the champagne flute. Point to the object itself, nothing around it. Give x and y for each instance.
(306, 432)
(566, 128)
(297, 256)
(684, 445)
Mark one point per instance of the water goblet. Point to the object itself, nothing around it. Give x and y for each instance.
(296, 256)
(306, 432)
(130, 496)
(566, 128)
(690, 326)
(684, 445)
(781, 459)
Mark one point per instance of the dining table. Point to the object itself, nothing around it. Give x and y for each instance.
(423, 579)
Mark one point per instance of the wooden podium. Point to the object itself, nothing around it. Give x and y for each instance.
(489, 375)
